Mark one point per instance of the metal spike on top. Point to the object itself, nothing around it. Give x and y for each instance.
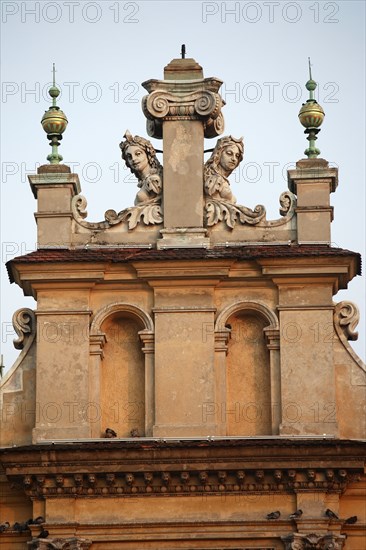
(54, 122)
(183, 51)
(311, 116)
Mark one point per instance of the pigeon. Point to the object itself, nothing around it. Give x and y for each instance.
(4, 526)
(351, 520)
(330, 514)
(37, 521)
(110, 433)
(43, 534)
(296, 514)
(20, 527)
(274, 515)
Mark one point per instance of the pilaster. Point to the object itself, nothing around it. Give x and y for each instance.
(183, 109)
(147, 338)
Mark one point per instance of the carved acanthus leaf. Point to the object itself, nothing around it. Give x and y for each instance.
(71, 543)
(24, 325)
(302, 541)
(347, 316)
(149, 212)
(219, 210)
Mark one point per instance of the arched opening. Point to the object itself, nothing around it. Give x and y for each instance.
(122, 375)
(247, 408)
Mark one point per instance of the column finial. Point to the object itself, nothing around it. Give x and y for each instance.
(311, 116)
(54, 122)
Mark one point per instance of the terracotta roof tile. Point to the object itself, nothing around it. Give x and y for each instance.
(123, 255)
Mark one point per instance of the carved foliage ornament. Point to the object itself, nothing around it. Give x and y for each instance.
(71, 543)
(220, 202)
(299, 541)
(140, 157)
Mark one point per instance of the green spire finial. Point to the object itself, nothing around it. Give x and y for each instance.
(311, 116)
(54, 122)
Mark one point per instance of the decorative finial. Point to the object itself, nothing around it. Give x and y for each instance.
(311, 116)
(309, 68)
(2, 366)
(183, 51)
(54, 122)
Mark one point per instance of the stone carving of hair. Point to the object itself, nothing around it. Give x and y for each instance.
(145, 145)
(211, 166)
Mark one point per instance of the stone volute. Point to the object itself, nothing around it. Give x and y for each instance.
(183, 109)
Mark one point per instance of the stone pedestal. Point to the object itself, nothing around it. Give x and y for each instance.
(53, 187)
(313, 181)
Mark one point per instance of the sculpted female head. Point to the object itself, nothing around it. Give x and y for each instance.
(227, 155)
(139, 155)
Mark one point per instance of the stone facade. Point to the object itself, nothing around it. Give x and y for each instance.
(186, 372)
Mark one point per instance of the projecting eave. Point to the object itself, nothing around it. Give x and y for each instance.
(95, 265)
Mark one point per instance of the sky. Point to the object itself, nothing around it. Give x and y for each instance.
(104, 50)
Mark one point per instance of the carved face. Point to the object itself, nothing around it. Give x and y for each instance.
(148, 477)
(203, 477)
(240, 474)
(27, 480)
(184, 476)
(136, 159)
(259, 475)
(310, 475)
(277, 475)
(129, 479)
(59, 480)
(165, 476)
(230, 158)
(292, 475)
(78, 479)
(329, 474)
(91, 479)
(110, 479)
(222, 476)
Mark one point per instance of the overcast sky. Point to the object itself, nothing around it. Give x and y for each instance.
(104, 50)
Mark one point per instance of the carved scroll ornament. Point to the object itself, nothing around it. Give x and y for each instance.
(70, 543)
(183, 100)
(220, 204)
(24, 322)
(300, 541)
(346, 317)
(148, 213)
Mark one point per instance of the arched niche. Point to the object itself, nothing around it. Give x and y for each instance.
(251, 376)
(124, 335)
